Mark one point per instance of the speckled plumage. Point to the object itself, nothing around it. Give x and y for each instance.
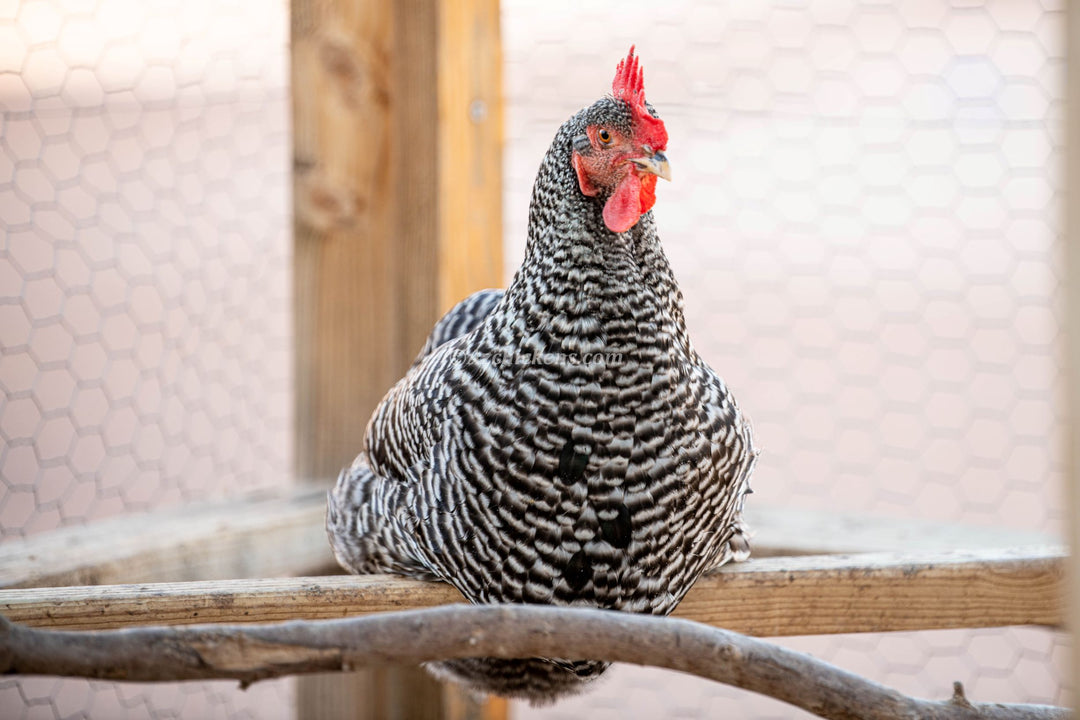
(560, 443)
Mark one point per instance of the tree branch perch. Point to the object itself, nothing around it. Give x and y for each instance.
(249, 653)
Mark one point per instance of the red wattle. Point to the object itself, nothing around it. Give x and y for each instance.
(648, 192)
(623, 208)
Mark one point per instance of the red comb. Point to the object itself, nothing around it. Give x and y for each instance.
(629, 83)
(629, 86)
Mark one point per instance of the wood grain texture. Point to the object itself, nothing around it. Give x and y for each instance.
(349, 336)
(249, 653)
(882, 592)
(265, 600)
(397, 195)
(397, 126)
(1071, 336)
(277, 536)
(470, 148)
(800, 531)
(875, 592)
(243, 538)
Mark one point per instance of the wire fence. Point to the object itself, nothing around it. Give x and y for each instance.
(144, 285)
(864, 220)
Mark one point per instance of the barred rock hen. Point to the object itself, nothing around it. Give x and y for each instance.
(560, 442)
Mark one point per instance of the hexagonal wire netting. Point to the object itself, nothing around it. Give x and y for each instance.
(864, 221)
(144, 283)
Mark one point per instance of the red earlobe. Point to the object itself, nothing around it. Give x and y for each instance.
(587, 188)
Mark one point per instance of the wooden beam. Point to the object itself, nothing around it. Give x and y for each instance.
(883, 592)
(874, 592)
(1071, 291)
(797, 531)
(269, 537)
(244, 538)
(264, 600)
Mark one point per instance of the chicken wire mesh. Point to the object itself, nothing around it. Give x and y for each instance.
(864, 221)
(144, 275)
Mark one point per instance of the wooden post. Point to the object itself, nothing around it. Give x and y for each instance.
(397, 128)
(1071, 399)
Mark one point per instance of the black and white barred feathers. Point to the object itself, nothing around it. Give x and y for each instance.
(560, 442)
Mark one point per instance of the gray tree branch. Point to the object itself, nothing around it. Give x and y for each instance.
(254, 652)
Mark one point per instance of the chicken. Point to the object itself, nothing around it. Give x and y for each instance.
(560, 442)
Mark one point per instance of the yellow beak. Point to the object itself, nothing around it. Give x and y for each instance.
(655, 163)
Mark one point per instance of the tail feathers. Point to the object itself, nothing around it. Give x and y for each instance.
(370, 527)
(460, 320)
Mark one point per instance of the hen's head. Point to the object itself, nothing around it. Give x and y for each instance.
(621, 151)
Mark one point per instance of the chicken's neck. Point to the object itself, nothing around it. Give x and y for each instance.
(576, 272)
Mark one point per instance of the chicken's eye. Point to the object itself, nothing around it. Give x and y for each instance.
(605, 137)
